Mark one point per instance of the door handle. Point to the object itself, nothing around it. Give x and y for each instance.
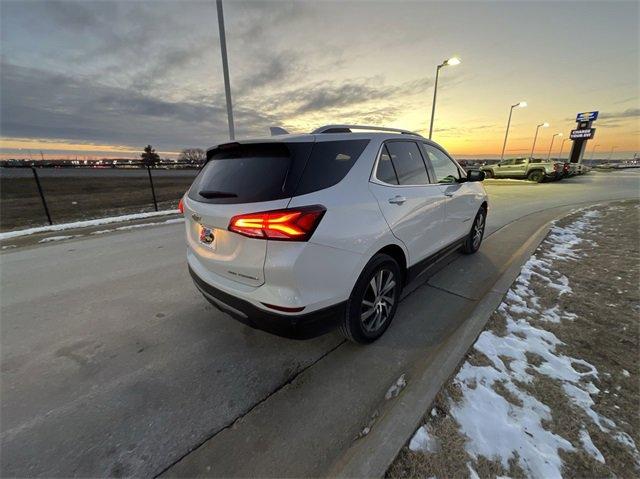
(397, 200)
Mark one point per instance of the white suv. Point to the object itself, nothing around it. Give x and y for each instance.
(296, 234)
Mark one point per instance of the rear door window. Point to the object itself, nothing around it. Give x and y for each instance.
(407, 162)
(247, 173)
(329, 163)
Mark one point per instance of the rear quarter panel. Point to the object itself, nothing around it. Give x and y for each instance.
(352, 224)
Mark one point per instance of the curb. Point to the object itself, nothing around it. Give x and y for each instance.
(400, 420)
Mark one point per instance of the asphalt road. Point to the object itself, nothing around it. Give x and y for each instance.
(112, 363)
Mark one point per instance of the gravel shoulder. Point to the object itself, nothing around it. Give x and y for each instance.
(550, 387)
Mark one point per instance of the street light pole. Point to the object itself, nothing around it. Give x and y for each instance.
(593, 150)
(451, 61)
(611, 152)
(551, 146)
(562, 147)
(521, 104)
(535, 138)
(225, 70)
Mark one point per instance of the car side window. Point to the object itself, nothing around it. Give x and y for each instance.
(506, 162)
(407, 162)
(386, 171)
(445, 169)
(520, 161)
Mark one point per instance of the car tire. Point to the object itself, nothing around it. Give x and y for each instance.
(370, 308)
(474, 239)
(536, 176)
(488, 173)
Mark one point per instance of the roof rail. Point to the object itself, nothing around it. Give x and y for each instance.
(348, 128)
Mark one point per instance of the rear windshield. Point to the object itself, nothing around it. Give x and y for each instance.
(250, 172)
(247, 173)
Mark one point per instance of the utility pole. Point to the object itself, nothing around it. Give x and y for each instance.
(225, 70)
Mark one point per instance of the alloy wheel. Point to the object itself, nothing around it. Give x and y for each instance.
(378, 300)
(478, 230)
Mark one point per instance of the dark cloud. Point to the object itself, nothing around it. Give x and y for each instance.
(269, 70)
(350, 93)
(325, 96)
(76, 15)
(41, 104)
(628, 113)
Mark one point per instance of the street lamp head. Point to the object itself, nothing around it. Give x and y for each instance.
(453, 61)
(558, 134)
(545, 125)
(522, 104)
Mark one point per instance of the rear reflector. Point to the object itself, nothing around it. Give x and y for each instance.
(283, 308)
(293, 224)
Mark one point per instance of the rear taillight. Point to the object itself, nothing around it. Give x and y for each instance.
(181, 207)
(294, 224)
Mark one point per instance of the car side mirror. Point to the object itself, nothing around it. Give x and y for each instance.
(475, 175)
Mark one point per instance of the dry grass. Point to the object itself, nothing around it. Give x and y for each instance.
(80, 198)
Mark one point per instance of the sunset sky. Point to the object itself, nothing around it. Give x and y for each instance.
(104, 79)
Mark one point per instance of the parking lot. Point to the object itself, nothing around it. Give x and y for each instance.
(113, 364)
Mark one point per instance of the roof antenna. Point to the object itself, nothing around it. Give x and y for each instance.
(276, 130)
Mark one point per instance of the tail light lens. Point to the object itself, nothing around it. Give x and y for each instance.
(181, 206)
(293, 224)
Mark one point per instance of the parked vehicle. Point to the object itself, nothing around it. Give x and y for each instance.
(296, 234)
(532, 169)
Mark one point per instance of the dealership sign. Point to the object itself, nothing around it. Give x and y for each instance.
(583, 134)
(587, 116)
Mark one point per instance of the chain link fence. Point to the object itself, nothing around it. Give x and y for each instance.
(35, 195)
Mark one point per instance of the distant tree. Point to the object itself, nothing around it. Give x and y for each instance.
(192, 155)
(150, 157)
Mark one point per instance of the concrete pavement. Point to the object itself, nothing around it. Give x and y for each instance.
(112, 363)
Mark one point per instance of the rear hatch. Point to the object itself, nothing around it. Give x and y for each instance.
(240, 179)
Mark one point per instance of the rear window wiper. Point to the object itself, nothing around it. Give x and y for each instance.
(216, 194)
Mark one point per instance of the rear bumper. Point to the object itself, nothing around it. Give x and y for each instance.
(301, 326)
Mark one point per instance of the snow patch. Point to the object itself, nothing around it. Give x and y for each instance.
(85, 223)
(396, 388)
(143, 225)
(589, 446)
(56, 238)
(423, 441)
